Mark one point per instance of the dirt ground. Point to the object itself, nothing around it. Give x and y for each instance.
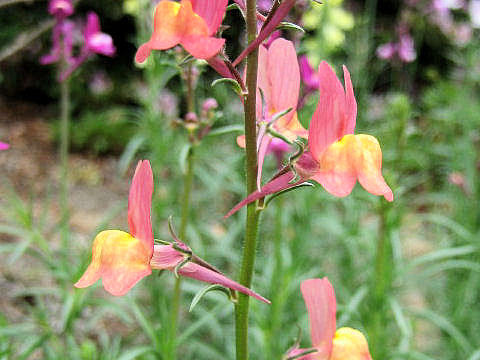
(30, 170)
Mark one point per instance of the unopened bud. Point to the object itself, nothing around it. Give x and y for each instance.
(209, 104)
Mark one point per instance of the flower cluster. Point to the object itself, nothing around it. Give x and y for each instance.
(94, 41)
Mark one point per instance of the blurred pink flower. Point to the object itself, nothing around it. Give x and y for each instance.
(278, 148)
(309, 75)
(3, 146)
(96, 41)
(100, 83)
(60, 8)
(406, 49)
(386, 51)
(62, 33)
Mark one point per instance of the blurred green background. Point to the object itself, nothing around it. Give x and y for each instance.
(407, 274)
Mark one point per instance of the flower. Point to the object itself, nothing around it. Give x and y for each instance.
(309, 76)
(97, 42)
(404, 49)
(94, 42)
(122, 259)
(60, 8)
(344, 343)
(278, 81)
(63, 31)
(3, 146)
(190, 23)
(336, 158)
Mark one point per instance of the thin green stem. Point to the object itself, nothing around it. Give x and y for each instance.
(185, 212)
(249, 246)
(64, 146)
(381, 287)
(190, 89)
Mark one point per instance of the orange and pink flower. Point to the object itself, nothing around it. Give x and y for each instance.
(328, 343)
(190, 23)
(122, 259)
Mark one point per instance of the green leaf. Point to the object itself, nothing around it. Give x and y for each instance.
(129, 153)
(233, 83)
(445, 325)
(136, 352)
(207, 289)
(226, 130)
(284, 25)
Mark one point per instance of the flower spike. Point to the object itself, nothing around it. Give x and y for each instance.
(191, 23)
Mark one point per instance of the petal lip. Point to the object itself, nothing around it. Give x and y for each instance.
(119, 259)
(212, 11)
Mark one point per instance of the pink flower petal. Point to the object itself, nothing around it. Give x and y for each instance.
(198, 272)
(4, 146)
(212, 11)
(350, 103)
(330, 121)
(93, 24)
(140, 203)
(202, 47)
(308, 75)
(262, 151)
(321, 305)
(284, 77)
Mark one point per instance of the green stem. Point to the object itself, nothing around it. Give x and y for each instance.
(185, 210)
(381, 285)
(248, 260)
(64, 145)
